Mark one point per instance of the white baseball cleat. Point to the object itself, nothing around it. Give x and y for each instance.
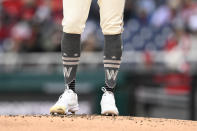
(67, 102)
(108, 105)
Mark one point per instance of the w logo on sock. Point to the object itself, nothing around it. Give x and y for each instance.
(67, 71)
(111, 74)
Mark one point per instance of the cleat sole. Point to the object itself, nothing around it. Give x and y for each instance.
(110, 113)
(57, 111)
(63, 111)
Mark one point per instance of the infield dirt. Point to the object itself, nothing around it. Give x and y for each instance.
(93, 123)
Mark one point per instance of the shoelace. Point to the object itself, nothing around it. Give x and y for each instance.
(105, 91)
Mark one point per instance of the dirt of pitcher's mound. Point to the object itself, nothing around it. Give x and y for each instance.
(93, 123)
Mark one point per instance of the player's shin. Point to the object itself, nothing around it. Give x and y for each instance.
(70, 48)
(112, 60)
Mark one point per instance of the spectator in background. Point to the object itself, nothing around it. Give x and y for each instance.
(25, 24)
(90, 44)
(21, 35)
(177, 47)
(188, 14)
(129, 11)
(165, 13)
(145, 8)
(37, 22)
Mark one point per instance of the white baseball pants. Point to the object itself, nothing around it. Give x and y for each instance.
(76, 12)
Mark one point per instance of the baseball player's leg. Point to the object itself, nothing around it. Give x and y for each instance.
(111, 13)
(75, 15)
(112, 60)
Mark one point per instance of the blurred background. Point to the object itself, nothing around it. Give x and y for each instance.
(158, 75)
